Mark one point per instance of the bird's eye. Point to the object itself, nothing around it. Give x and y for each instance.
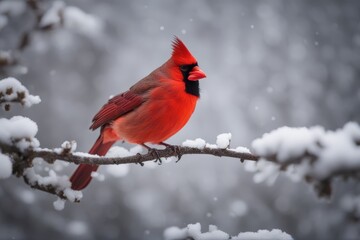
(184, 68)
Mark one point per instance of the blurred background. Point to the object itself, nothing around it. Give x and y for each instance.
(269, 64)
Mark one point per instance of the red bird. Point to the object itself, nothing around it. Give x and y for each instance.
(151, 111)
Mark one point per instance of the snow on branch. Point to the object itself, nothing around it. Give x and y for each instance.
(70, 17)
(12, 91)
(193, 232)
(311, 154)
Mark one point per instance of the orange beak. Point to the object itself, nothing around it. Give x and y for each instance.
(196, 74)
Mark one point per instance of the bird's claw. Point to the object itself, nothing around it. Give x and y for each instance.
(175, 149)
(139, 160)
(155, 154)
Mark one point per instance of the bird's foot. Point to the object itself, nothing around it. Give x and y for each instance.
(139, 159)
(154, 153)
(174, 148)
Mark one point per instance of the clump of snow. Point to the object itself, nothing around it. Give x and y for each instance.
(263, 235)
(12, 90)
(100, 177)
(197, 143)
(241, 150)
(137, 149)
(223, 140)
(75, 18)
(59, 165)
(84, 154)
(120, 170)
(71, 146)
(19, 131)
(288, 143)
(266, 172)
(333, 151)
(118, 151)
(66, 147)
(59, 204)
(71, 18)
(250, 166)
(72, 195)
(5, 166)
(61, 183)
(53, 179)
(211, 146)
(193, 231)
(53, 15)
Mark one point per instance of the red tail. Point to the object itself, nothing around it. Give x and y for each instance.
(82, 176)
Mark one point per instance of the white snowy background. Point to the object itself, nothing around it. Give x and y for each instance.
(269, 64)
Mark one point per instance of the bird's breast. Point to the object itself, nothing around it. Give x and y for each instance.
(166, 110)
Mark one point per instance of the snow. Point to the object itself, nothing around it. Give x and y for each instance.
(5, 166)
(241, 150)
(223, 140)
(52, 15)
(75, 18)
(267, 172)
(197, 143)
(84, 154)
(100, 177)
(19, 131)
(12, 90)
(119, 152)
(53, 179)
(120, 170)
(72, 195)
(264, 235)
(59, 204)
(61, 183)
(71, 146)
(72, 18)
(334, 151)
(286, 142)
(193, 231)
(66, 147)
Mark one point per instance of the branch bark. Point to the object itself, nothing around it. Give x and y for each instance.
(51, 156)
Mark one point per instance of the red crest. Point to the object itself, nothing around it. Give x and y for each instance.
(181, 55)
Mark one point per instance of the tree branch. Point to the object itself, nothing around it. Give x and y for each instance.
(51, 156)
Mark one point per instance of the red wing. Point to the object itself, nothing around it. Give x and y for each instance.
(116, 107)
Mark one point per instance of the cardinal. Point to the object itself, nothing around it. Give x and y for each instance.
(151, 111)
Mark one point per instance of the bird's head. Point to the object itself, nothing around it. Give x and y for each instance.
(185, 62)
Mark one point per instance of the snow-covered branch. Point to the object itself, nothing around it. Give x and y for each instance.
(12, 91)
(193, 232)
(311, 154)
(47, 17)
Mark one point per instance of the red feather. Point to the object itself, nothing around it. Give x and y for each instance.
(181, 55)
(116, 107)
